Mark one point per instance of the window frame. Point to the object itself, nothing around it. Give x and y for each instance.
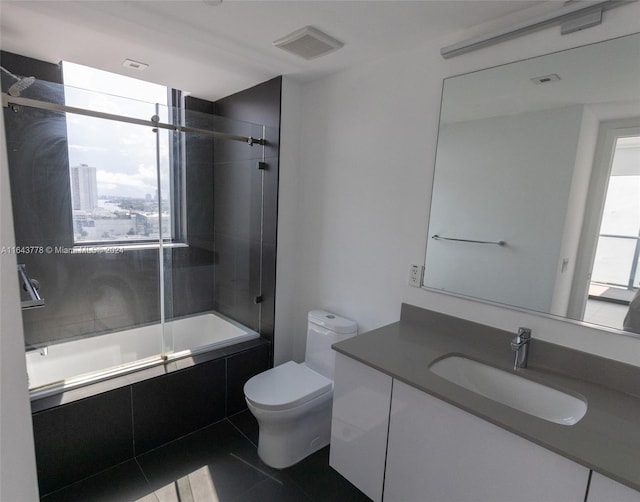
(177, 187)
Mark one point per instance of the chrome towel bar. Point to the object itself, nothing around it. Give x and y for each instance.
(439, 238)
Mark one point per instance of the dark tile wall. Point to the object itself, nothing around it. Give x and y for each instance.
(84, 437)
(193, 267)
(79, 439)
(237, 224)
(38, 157)
(173, 405)
(92, 293)
(261, 105)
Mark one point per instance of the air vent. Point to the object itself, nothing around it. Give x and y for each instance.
(134, 65)
(308, 43)
(545, 79)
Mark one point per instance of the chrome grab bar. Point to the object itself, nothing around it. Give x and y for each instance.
(31, 288)
(497, 243)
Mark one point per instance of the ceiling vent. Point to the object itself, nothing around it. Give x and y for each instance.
(545, 79)
(134, 65)
(308, 43)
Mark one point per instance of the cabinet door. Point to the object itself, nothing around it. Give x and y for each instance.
(438, 452)
(603, 489)
(361, 401)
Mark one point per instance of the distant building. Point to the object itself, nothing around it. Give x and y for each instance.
(84, 187)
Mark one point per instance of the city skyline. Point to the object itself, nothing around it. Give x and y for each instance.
(104, 217)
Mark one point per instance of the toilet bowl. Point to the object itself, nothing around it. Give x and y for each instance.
(292, 402)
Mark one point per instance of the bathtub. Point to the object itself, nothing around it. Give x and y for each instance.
(66, 365)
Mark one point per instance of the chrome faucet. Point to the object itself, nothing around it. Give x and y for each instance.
(520, 345)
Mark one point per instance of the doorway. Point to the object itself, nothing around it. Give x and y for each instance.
(615, 270)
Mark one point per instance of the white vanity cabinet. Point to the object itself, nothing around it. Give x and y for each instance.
(603, 489)
(437, 452)
(361, 400)
(399, 444)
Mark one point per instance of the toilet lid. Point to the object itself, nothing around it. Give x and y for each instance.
(286, 386)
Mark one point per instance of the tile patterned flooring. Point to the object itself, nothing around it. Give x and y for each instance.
(216, 463)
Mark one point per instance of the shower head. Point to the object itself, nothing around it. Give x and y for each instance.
(20, 85)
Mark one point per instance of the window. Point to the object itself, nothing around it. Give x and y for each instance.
(618, 252)
(120, 173)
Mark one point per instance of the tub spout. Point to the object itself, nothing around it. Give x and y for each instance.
(30, 286)
(43, 351)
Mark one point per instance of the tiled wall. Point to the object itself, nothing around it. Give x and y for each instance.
(192, 268)
(261, 105)
(83, 437)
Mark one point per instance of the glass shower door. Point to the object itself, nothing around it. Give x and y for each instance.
(150, 224)
(79, 188)
(147, 226)
(215, 279)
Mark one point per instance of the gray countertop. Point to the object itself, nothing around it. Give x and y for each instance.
(607, 439)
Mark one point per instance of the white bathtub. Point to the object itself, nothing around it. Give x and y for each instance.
(78, 362)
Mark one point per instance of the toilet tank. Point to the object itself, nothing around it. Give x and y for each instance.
(323, 330)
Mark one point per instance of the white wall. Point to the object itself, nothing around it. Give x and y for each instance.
(491, 179)
(18, 480)
(365, 169)
(573, 224)
(288, 201)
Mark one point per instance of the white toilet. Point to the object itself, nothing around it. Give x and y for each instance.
(292, 402)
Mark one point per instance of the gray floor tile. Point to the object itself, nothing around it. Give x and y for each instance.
(271, 490)
(217, 463)
(124, 482)
(320, 482)
(246, 423)
(216, 460)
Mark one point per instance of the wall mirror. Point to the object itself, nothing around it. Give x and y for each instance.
(536, 194)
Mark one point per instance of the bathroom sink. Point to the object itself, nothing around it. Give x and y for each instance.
(511, 390)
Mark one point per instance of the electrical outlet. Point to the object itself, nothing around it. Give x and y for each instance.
(415, 275)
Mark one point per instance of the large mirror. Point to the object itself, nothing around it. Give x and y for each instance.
(536, 195)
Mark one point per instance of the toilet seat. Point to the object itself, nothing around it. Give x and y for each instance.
(286, 386)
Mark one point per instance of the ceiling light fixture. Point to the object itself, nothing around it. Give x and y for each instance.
(575, 15)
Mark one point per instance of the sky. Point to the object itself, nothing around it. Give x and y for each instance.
(124, 154)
